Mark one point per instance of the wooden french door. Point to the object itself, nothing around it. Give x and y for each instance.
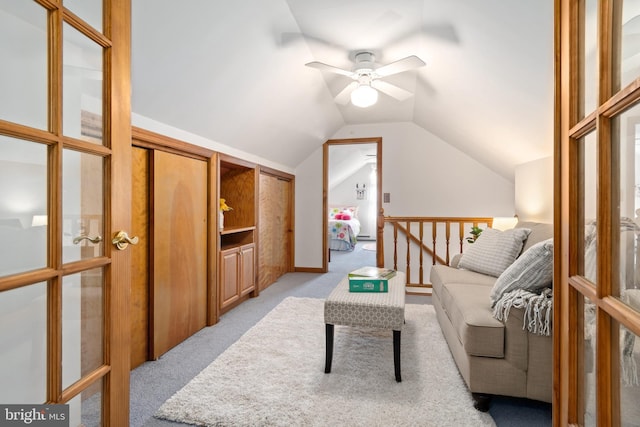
(65, 191)
(597, 265)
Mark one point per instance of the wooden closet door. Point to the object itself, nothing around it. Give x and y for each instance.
(140, 216)
(275, 229)
(179, 290)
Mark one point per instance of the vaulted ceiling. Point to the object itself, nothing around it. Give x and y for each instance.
(234, 72)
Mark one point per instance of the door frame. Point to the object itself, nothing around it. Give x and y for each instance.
(325, 196)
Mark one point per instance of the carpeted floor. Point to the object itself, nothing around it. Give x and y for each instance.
(274, 376)
(156, 381)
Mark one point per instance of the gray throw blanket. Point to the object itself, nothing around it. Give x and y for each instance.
(538, 309)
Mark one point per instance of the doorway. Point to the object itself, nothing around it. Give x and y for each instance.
(352, 171)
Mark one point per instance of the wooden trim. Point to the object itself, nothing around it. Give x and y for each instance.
(325, 182)
(213, 313)
(83, 27)
(325, 207)
(85, 147)
(15, 130)
(226, 158)
(15, 281)
(308, 270)
(277, 173)
(117, 23)
(155, 141)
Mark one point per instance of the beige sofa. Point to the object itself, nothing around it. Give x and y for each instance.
(494, 357)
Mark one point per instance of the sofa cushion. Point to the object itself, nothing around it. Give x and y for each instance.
(494, 251)
(539, 231)
(468, 309)
(532, 271)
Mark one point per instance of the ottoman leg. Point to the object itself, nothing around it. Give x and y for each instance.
(396, 354)
(329, 355)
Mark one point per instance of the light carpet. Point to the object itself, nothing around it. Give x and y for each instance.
(369, 246)
(274, 376)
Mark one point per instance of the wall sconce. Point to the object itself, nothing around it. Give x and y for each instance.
(361, 191)
(504, 223)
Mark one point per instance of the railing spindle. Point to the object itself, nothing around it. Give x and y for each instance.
(395, 245)
(408, 272)
(421, 279)
(447, 238)
(434, 232)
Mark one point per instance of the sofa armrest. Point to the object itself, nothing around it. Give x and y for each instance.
(455, 260)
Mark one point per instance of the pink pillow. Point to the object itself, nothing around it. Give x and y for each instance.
(345, 216)
(338, 216)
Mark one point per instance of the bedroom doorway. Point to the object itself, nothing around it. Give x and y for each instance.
(352, 171)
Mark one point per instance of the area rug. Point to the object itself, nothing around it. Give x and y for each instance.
(274, 376)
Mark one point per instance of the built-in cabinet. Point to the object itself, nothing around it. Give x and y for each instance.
(237, 270)
(189, 267)
(237, 273)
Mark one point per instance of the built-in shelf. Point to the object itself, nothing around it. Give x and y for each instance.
(237, 256)
(233, 229)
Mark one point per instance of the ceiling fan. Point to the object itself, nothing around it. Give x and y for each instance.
(363, 91)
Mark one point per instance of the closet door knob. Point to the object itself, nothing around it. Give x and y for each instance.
(122, 240)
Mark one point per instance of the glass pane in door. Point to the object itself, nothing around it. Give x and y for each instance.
(589, 59)
(82, 324)
(23, 344)
(82, 87)
(588, 147)
(629, 36)
(629, 379)
(89, 10)
(589, 360)
(23, 206)
(82, 206)
(626, 131)
(23, 74)
(85, 409)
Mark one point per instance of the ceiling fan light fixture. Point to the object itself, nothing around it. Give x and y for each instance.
(364, 96)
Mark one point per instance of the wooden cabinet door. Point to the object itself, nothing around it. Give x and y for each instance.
(247, 264)
(179, 290)
(229, 275)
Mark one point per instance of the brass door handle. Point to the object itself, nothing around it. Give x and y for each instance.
(122, 240)
(79, 239)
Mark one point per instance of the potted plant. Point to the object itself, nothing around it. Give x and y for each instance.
(475, 233)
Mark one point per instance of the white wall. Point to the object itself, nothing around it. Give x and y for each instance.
(534, 190)
(154, 126)
(424, 175)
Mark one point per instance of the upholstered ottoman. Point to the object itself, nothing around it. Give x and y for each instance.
(384, 310)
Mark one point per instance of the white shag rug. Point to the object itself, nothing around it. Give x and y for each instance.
(274, 376)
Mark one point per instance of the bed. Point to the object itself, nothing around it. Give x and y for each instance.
(344, 228)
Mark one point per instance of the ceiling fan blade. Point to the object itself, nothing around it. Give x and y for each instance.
(391, 90)
(330, 68)
(344, 96)
(399, 66)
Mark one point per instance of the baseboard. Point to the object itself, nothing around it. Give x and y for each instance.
(309, 270)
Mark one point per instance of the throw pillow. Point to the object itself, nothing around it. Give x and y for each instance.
(532, 271)
(494, 251)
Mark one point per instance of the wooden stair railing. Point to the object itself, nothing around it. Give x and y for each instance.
(414, 239)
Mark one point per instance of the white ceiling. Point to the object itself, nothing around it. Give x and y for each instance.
(234, 72)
